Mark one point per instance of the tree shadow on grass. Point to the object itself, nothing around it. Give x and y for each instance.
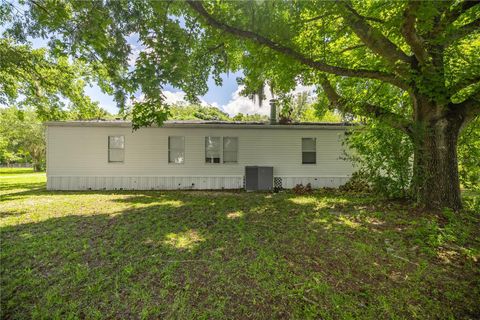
(17, 171)
(31, 186)
(214, 255)
(12, 213)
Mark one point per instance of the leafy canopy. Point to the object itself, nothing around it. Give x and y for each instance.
(34, 78)
(279, 42)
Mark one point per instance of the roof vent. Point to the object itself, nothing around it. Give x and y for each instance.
(273, 111)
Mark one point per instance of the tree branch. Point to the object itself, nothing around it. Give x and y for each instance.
(453, 14)
(372, 37)
(310, 19)
(366, 109)
(464, 83)
(415, 42)
(352, 48)
(317, 65)
(329, 15)
(464, 30)
(469, 108)
(374, 19)
(40, 6)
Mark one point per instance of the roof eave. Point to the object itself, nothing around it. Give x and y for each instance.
(213, 125)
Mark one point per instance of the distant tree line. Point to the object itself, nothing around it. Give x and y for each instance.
(22, 134)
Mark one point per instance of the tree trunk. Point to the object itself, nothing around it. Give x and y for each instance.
(435, 173)
(37, 167)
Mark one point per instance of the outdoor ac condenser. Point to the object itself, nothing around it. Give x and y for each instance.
(258, 178)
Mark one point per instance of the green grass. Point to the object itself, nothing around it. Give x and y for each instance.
(4, 171)
(224, 255)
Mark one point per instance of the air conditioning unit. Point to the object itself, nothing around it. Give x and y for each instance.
(258, 178)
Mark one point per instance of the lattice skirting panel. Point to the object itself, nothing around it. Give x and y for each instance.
(277, 183)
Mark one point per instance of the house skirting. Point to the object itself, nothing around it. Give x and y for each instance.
(179, 182)
(289, 182)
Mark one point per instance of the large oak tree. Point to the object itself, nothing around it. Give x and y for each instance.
(412, 65)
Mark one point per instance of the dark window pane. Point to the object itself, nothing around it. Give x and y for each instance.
(309, 157)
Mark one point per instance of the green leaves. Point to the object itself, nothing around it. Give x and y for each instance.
(192, 112)
(469, 154)
(137, 47)
(384, 158)
(22, 137)
(33, 78)
(147, 113)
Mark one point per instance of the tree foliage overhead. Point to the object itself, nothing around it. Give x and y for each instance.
(33, 77)
(431, 46)
(412, 65)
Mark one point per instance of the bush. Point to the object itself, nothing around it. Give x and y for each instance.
(358, 183)
(301, 189)
(469, 155)
(384, 157)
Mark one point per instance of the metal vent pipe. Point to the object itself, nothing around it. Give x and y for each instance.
(273, 111)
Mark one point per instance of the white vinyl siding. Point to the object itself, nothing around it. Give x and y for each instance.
(176, 150)
(230, 149)
(80, 152)
(116, 149)
(309, 150)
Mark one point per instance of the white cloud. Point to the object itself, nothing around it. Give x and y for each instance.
(245, 105)
(174, 97)
(237, 103)
(178, 98)
(240, 104)
(301, 88)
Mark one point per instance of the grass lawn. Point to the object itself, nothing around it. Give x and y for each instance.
(215, 255)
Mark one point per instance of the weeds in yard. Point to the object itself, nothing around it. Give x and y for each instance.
(219, 255)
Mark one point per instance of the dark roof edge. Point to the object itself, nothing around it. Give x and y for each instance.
(204, 124)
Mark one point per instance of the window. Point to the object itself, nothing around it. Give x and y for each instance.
(230, 150)
(309, 150)
(212, 149)
(116, 148)
(176, 149)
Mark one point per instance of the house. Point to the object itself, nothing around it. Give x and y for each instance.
(97, 155)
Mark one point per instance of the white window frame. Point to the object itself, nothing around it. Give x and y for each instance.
(171, 149)
(110, 148)
(310, 151)
(221, 151)
(220, 147)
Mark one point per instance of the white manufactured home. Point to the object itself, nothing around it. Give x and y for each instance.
(98, 155)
